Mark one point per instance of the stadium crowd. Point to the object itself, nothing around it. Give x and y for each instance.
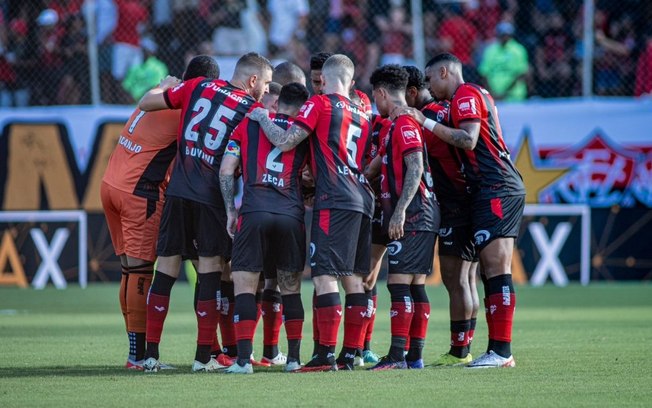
(44, 54)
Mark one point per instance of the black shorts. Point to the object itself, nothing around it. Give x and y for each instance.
(192, 229)
(412, 254)
(498, 217)
(340, 243)
(458, 242)
(266, 242)
(455, 211)
(378, 237)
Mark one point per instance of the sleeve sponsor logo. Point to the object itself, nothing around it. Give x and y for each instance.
(440, 116)
(410, 134)
(467, 106)
(306, 108)
(176, 88)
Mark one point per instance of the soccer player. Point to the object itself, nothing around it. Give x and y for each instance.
(457, 257)
(132, 193)
(270, 98)
(497, 194)
(379, 127)
(287, 73)
(270, 232)
(194, 217)
(339, 134)
(316, 64)
(410, 217)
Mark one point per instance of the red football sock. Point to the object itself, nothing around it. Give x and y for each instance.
(272, 320)
(372, 320)
(502, 316)
(206, 321)
(419, 325)
(315, 319)
(488, 316)
(157, 310)
(226, 325)
(355, 321)
(401, 319)
(329, 324)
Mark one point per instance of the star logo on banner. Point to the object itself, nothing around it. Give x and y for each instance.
(535, 176)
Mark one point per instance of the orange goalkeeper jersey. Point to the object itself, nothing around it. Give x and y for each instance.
(140, 162)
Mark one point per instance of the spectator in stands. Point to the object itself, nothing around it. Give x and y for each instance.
(141, 78)
(224, 19)
(644, 67)
(105, 14)
(75, 82)
(458, 36)
(614, 47)
(132, 17)
(48, 58)
(504, 65)
(396, 37)
(553, 59)
(288, 19)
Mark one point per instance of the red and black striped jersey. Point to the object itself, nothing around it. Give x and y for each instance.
(404, 138)
(211, 109)
(271, 178)
(340, 137)
(488, 168)
(379, 128)
(445, 165)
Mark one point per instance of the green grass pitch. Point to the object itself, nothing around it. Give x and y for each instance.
(574, 346)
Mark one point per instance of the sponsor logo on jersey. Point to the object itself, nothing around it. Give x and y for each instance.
(306, 108)
(467, 106)
(410, 134)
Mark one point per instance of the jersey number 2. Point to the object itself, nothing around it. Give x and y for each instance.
(216, 132)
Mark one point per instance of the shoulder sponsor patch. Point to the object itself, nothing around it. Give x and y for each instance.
(306, 108)
(176, 88)
(467, 106)
(410, 134)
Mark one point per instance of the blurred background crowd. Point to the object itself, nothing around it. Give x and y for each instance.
(519, 49)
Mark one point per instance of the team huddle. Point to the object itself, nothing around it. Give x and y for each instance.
(430, 168)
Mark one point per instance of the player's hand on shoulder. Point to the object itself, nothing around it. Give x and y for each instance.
(169, 82)
(258, 114)
(416, 114)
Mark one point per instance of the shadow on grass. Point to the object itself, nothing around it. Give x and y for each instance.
(100, 371)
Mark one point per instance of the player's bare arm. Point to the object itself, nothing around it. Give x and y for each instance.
(414, 164)
(373, 169)
(230, 163)
(285, 140)
(153, 100)
(466, 137)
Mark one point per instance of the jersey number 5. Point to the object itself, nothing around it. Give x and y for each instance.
(352, 137)
(216, 132)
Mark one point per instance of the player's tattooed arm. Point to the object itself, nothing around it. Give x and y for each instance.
(466, 137)
(285, 140)
(228, 167)
(414, 164)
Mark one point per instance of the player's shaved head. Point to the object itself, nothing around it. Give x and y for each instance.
(450, 61)
(252, 64)
(202, 66)
(338, 67)
(287, 73)
(274, 88)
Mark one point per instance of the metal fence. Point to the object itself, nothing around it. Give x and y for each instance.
(62, 52)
